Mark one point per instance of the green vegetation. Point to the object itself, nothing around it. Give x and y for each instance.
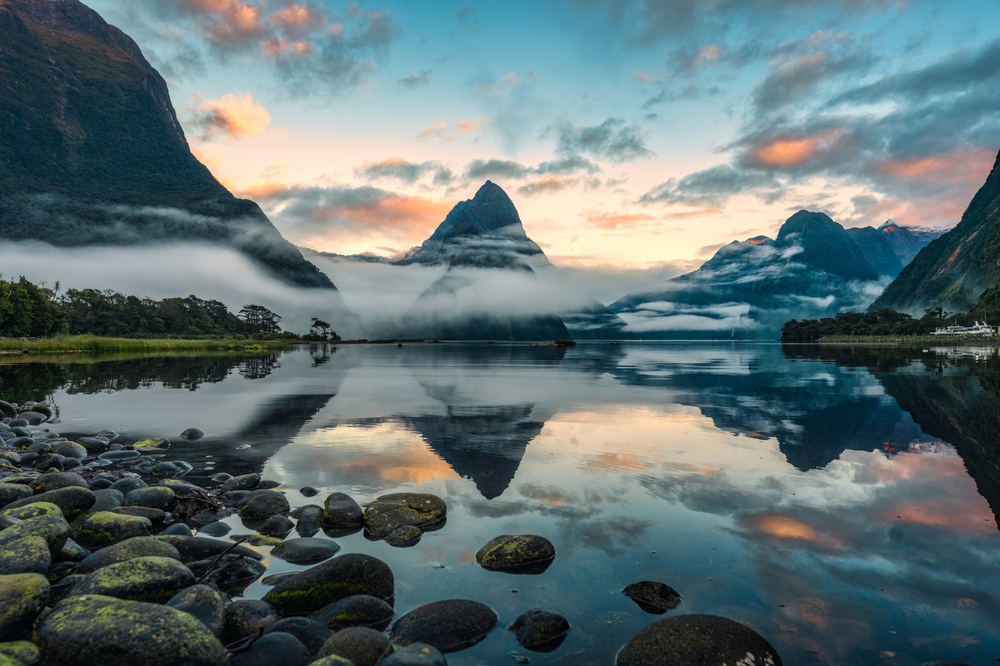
(27, 310)
(97, 344)
(879, 323)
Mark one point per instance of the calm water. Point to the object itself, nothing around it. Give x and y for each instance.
(841, 502)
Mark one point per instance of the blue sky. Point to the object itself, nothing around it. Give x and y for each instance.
(629, 133)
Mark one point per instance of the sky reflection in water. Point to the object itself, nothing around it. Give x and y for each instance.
(836, 501)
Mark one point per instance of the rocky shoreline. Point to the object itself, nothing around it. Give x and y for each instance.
(108, 556)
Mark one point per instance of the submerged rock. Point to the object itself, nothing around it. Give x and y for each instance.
(82, 631)
(404, 536)
(359, 645)
(450, 625)
(519, 553)
(653, 596)
(697, 639)
(415, 654)
(277, 526)
(325, 583)
(540, 630)
(192, 434)
(22, 599)
(389, 512)
(360, 610)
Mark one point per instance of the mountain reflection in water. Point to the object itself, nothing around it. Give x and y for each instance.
(842, 501)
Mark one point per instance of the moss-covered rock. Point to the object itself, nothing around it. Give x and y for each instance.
(53, 529)
(342, 512)
(540, 630)
(82, 631)
(360, 610)
(389, 512)
(34, 510)
(152, 579)
(242, 482)
(152, 445)
(653, 596)
(69, 449)
(11, 492)
(126, 550)
(259, 540)
(47, 482)
(153, 497)
(155, 516)
(105, 528)
(404, 537)
(360, 645)
(697, 639)
(415, 654)
(449, 625)
(263, 504)
(194, 549)
(73, 501)
(517, 553)
(332, 660)
(29, 554)
(325, 583)
(22, 599)
(23, 653)
(204, 603)
(246, 618)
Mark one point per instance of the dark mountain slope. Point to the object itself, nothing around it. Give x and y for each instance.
(91, 151)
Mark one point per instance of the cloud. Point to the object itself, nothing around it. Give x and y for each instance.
(492, 86)
(416, 80)
(547, 185)
(235, 116)
(794, 79)
(479, 169)
(400, 169)
(615, 221)
(439, 130)
(612, 140)
(470, 126)
(713, 187)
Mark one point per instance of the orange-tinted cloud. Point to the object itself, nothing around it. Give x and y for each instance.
(438, 130)
(233, 20)
(547, 185)
(792, 529)
(965, 165)
(469, 126)
(967, 516)
(235, 116)
(297, 17)
(613, 221)
(788, 152)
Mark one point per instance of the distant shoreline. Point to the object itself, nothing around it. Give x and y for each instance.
(907, 340)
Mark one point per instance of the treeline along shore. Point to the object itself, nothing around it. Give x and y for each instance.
(885, 325)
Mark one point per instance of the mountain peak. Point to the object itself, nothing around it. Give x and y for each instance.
(807, 223)
(489, 212)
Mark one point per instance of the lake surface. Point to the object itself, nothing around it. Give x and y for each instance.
(841, 501)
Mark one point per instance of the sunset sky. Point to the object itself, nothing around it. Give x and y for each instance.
(629, 133)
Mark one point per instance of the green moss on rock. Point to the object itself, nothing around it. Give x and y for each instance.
(390, 512)
(24, 653)
(331, 581)
(511, 551)
(152, 579)
(53, 529)
(22, 599)
(697, 639)
(29, 554)
(105, 528)
(34, 510)
(127, 550)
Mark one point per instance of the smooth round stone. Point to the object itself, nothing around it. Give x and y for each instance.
(274, 579)
(360, 610)
(128, 484)
(47, 482)
(100, 483)
(152, 579)
(266, 484)
(109, 435)
(404, 536)
(178, 529)
(194, 549)
(22, 442)
(246, 618)
(152, 445)
(264, 504)
(119, 454)
(359, 645)
(125, 551)
(653, 596)
(47, 461)
(192, 434)
(305, 551)
(104, 528)
(274, 648)
(23, 653)
(342, 512)
(53, 529)
(215, 529)
(22, 599)
(181, 487)
(308, 491)
(93, 443)
(221, 476)
(389, 512)
(11, 492)
(11, 457)
(242, 482)
(33, 510)
(82, 631)
(70, 450)
(18, 423)
(107, 500)
(321, 585)
(74, 501)
(43, 409)
(33, 418)
(450, 625)
(277, 526)
(415, 654)
(310, 520)
(29, 554)
(155, 516)
(7, 409)
(517, 553)
(155, 497)
(72, 552)
(310, 633)
(540, 630)
(204, 603)
(332, 660)
(697, 639)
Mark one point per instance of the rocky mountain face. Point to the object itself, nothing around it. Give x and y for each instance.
(954, 270)
(92, 153)
(814, 268)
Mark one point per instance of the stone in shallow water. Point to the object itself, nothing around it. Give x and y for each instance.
(653, 596)
(127, 550)
(242, 482)
(193, 549)
(22, 599)
(360, 610)
(389, 512)
(128, 484)
(697, 639)
(539, 630)
(177, 529)
(342, 512)
(360, 645)
(275, 648)
(517, 553)
(246, 618)
(152, 579)
(274, 579)
(310, 521)
(277, 526)
(310, 633)
(404, 536)
(82, 631)
(192, 434)
(264, 504)
(204, 603)
(450, 625)
(320, 586)
(415, 654)
(215, 529)
(305, 551)
(308, 491)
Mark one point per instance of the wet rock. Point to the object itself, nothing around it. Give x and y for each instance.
(155, 516)
(305, 551)
(152, 445)
(342, 512)
(540, 630)
(43, 409)
(310, 521)
(274, 579)
(8, 409)
(277, 526)
(128, 484)
(11, 492)
(70, 450)
(74, 501)
(53, 529)
(72, 552)
(697, 639)
(320, 586)
(19, 443)
(389, 512)
(154, 497)
(205, 604)
(360, 610)
(235, 573)
(264, 504)
(177, 529)
(404, 536)
(215, 529)
(221, 476)
(266, 484)
(47, 461)
(125, 551)
(242, 482)
(192, 548)
(192, 434)
(93, 443)
(119, 455)
(450, 625)
(152, 579)
(47, 482)
(653, 596)
(360, 645)
(22, 599)
(33, 418)
(274, 648)
(308, 491)
(415, 654)
(33, 510)
(310, 633)
(519, 553)
(104, 528)
(332, 660)
(10, 457)
(181, 487)
(246, 618)
(22, 653)
(29, 554)
(39, 447)
(107, 500)
(82, 631)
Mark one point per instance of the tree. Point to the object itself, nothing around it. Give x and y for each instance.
(259, 320)
(319, 328)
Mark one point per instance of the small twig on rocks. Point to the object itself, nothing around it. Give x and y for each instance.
(216, 562)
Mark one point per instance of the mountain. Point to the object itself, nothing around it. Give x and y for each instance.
(954, 270)
(814, 268)
(92, 153)
(498, 285)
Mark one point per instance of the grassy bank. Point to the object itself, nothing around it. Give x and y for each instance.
(911, 340)
(94, 344)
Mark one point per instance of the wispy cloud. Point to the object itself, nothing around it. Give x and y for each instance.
(233, 116)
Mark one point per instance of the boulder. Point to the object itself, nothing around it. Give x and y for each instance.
(29, 554)
(450, 625)
(23, 653)
(697, 639)
(242, 482)
(204, 603)
(155, 516)
(540, 630)
(305, 551)
(74, 501)
(193, 549)
(125, 551)
(22, 599)
(653, 596)
(263, 504)
(277, 526)
(517, 553)
(342, 512)
(152, 579)
(53, 481)
(53, 529)
(360, 610)
(154, 497)
(105, 528)
(389, 512)
(405, 536)
(106, 500)
(274, 648)
(34, 510)
(310, 521)
(320, 586)
(360, 645)
(11, 492)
